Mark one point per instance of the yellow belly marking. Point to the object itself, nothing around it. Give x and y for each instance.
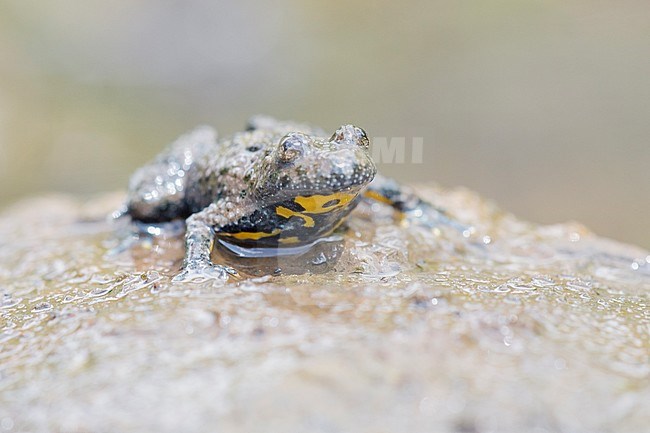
(252, 235)
(288, 213)
(314, 203)
(289, 240)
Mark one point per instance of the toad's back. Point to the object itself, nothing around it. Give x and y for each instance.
(233, 169)
(196, 170)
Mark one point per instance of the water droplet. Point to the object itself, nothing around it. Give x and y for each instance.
(138, 282)
(69, 298)
(155, 288)
(154, 230)
(43, 306)
(97, 292)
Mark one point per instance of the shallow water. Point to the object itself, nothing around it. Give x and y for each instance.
(508, 327)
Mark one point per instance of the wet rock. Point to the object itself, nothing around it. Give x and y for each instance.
(508, 326)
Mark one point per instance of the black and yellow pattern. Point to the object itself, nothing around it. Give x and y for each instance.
(298, 221)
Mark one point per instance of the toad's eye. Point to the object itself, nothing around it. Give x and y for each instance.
(292, 146)
(351, 134)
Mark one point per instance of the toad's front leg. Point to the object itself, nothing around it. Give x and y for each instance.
(199, 240)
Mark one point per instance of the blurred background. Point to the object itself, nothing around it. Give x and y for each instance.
(540, 105)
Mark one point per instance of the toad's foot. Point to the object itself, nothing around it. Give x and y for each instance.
(410, 206)
(202, 271)
(430, 217)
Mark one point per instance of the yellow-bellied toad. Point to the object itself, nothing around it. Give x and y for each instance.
(275, 185)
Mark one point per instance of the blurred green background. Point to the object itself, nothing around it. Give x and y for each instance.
(543, 106)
